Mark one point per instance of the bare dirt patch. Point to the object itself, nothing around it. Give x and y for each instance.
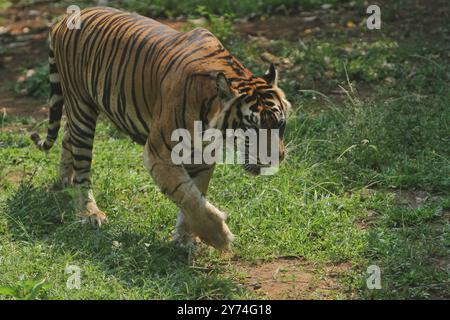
(292, 279)
(304, 24)
(446, 214)
(410, 198)
(402, 20)
(15, 176)
(23, 34)
(414, 199)
(22, 106)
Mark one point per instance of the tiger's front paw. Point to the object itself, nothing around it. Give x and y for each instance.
(182, 236)
(93, 216)
(184, 240)
(210, 227)
(96, 219)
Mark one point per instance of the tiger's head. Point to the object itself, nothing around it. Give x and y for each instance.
(255, 103)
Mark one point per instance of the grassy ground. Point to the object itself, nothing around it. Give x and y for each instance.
(366, 182)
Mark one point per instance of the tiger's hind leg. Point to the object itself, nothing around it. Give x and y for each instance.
(66, 171)
(81, 132)
(201, 175)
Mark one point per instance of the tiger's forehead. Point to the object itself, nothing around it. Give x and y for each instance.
(258, 98)
(251, 86)
(259, 95)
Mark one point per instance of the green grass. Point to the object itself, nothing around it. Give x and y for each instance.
(310, 209)
(333, 201)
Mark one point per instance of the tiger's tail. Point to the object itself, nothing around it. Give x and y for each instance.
(56, 103)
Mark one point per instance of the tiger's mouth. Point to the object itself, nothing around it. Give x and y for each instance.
(255, 169)
(257, 163)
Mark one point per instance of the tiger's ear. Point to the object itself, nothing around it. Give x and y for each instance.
(224, 89)
(271, 76)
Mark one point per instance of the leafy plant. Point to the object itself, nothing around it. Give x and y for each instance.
(26, 290)
(221, 27)
(34, 81)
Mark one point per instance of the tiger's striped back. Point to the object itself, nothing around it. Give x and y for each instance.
(122, 63)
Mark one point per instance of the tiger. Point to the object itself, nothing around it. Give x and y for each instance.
(148, 80)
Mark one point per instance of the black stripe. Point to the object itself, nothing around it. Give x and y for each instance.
(79, 157)
(178, 186)
(52, 68)
(194, 172)
(55, 88)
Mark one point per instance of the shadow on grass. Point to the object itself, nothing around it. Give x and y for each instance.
(143, 262)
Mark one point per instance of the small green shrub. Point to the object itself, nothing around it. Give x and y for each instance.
(26, 290)
(35, 81)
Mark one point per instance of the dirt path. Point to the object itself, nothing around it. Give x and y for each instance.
(293, 279)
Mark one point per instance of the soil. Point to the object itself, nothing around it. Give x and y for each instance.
(292, 279)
